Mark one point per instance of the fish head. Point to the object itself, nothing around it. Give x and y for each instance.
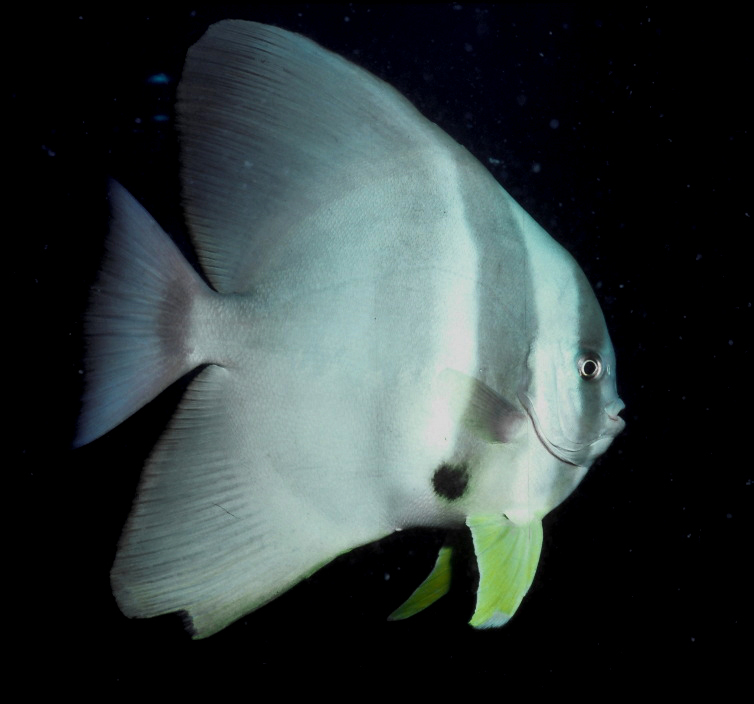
(570, 393)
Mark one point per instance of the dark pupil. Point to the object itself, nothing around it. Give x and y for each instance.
(589, 368)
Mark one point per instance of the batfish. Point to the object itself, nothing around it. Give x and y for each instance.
(384, 338)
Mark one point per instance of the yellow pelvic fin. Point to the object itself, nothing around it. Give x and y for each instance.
(430, 590)
(507, 556)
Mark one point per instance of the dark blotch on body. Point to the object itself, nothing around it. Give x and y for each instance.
(450, 481)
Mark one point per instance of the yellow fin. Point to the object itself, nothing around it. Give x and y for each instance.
(507, 556)
(430, 590)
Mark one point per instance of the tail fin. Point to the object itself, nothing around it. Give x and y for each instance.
(138, 320)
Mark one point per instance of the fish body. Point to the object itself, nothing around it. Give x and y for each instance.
(385, 339)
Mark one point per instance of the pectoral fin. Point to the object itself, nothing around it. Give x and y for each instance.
(430, 590)
(507, 556)
(486, 413)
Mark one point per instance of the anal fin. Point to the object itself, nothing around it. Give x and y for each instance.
(218, 528)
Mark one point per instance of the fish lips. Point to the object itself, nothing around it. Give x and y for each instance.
(577, 454)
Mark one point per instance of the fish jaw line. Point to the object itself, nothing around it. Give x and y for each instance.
(556, 451)
(570, 455)
(617, 424)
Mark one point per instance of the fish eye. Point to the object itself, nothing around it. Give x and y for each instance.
(590, 366)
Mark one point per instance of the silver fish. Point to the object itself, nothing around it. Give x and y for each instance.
(388, 340)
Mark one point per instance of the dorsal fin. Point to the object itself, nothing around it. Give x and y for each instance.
(273, 129)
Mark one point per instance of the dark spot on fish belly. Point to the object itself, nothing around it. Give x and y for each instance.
(450, 481)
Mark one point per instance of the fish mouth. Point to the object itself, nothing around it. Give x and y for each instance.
(571, 452)
(612, 413)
